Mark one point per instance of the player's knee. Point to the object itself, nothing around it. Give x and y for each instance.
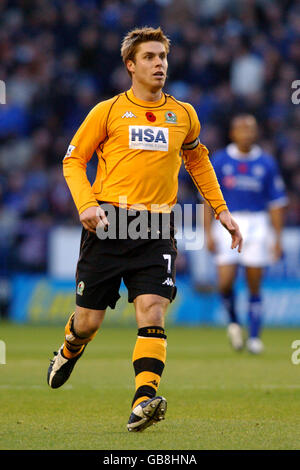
(153, 309)
(87, 323)
(225, 288)
(254, 290)
(254, 286)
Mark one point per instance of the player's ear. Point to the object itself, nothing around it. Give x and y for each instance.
(130, 65)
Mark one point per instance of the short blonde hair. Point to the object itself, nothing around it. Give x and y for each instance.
(137, 36)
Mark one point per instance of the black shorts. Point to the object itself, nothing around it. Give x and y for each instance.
(147, 266)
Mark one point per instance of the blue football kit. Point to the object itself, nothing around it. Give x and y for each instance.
(251, 185)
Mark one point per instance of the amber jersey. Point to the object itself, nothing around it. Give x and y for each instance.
(140, 146)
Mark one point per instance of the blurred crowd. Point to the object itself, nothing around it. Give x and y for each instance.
(59, 58)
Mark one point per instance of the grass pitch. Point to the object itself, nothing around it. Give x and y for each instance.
(217, 398)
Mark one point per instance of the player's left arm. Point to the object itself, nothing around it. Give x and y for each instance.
(198, 165)
(277, 206)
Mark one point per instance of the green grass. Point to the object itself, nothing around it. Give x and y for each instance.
(217, 399)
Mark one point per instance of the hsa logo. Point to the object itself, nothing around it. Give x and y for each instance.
(149, 138)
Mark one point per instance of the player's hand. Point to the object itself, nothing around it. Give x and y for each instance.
(210, 242)
(91, 217)
(230, 224)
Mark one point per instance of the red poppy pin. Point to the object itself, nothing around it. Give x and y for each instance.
(150, 116)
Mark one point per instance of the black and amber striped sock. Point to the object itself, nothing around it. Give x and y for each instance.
(149, 356)
(74, 344)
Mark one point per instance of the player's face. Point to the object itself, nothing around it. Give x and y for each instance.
(150, 65)
(244, 132)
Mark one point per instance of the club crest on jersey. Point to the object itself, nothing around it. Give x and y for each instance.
(227, 169)
(170, 116)
(80, 288)
(258, 170)
(149, 138)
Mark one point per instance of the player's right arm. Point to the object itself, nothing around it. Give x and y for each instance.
(198, 165)
(81, 149)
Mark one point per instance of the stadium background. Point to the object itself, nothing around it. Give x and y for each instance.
(58, 59)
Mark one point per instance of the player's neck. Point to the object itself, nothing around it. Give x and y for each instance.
(244, 149)
(146, 94)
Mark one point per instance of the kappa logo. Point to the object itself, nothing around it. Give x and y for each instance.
(128, 114)
(168, 282)
(154, 382)
(149, 138)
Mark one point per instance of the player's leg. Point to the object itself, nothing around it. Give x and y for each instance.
(255, 258)
(226, 278)
(151, 286)
(254, 277)
(98, 282)
(80, 329)
(148, 358)
(149, 353)
(227, 261)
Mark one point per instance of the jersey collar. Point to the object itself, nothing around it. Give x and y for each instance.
(145, 104)
(234, 152)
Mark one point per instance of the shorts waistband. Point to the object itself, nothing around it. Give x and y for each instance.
(125, 221)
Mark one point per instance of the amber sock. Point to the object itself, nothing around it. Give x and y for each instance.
(148, 359)
(74, 344)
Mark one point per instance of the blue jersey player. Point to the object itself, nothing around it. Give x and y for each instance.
(255, 195)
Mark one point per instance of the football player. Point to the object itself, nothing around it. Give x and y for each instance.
(255, 194)
(140, 137)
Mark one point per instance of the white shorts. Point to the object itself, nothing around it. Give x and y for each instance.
(257, 236)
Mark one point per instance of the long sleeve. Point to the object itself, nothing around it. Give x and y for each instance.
(81, 149)
(198, 165)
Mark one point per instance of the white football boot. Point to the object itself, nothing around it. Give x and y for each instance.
(147, 413)
(255, 345)
(60, 368)
(235, 336)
